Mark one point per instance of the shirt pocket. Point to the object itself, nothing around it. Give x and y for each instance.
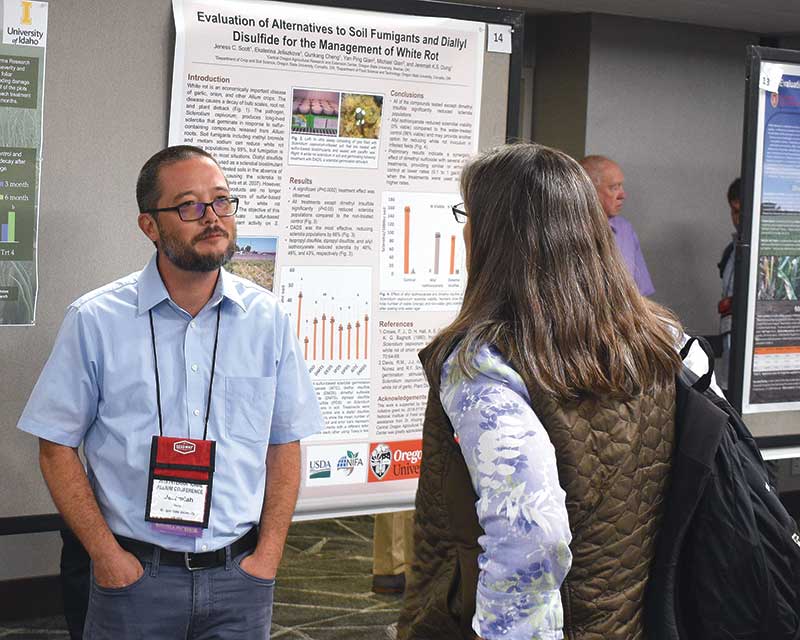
(248, 408)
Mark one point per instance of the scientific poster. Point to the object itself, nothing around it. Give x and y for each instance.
(774, 342)
(344, 133)
(22, 65)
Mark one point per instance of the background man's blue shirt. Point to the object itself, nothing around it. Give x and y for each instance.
(98, 386)
(628, 244)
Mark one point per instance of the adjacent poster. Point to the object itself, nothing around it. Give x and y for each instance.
(772, 362)
(22, 65)
(344, 133)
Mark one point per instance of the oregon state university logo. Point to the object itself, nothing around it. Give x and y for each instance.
(184, 447)
(380, 460)
(397, 460)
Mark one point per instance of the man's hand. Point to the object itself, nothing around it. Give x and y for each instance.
(114, 567)
(258, 567)
(117, 570)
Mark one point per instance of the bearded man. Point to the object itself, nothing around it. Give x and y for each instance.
(189, 393)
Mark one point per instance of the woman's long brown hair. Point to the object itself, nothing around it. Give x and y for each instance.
(548, 287)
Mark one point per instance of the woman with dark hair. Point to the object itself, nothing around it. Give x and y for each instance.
(550, 422)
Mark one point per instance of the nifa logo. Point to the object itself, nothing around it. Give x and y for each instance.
(184, 447)
(26, 12)
(349, 462)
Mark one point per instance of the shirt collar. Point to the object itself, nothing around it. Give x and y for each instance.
(151, 289)
(612, 222)
(227, 287)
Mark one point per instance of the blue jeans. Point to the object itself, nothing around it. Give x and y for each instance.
(173, 603)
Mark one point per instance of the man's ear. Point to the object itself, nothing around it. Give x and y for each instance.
(147, 224)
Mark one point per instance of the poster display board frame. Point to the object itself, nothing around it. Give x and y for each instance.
(764, 379)
(283, 119)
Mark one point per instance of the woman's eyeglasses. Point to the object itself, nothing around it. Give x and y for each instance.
(459, 213)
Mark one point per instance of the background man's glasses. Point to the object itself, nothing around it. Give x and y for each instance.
(190, 211)
(459, 213)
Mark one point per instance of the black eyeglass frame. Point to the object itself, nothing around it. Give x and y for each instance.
(232, 200)
(459, 213)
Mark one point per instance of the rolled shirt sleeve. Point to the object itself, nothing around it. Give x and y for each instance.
(63, 404)
(521, 505)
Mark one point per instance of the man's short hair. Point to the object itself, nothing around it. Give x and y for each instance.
(148, 189)
(735, 191)
(594, 165)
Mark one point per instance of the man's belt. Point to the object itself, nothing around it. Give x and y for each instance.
(192, 561)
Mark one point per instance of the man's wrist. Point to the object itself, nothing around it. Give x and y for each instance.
(108, 551)
(265, 563)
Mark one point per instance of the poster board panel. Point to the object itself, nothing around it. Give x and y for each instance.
(344, 132)
(765, 362)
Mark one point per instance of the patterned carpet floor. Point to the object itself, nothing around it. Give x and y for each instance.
(323, 589)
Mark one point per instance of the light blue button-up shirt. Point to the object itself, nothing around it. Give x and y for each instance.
(98, 387)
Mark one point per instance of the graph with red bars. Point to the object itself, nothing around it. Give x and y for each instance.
(421, 243)
(330, 310)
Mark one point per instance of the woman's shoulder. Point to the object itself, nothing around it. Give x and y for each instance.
(486, 366)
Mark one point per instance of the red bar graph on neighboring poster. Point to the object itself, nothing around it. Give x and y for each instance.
(452, 255)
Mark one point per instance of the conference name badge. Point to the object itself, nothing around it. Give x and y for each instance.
(180, 481)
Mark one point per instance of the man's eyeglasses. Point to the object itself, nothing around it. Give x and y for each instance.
(459, 213)
(190, 211)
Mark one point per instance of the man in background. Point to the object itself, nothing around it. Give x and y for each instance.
(609, 181)
(393, 550)
(726, 272)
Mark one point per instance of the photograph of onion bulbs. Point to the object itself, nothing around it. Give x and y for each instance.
(315, 112)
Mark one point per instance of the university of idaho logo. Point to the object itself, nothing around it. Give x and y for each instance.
(26, 12)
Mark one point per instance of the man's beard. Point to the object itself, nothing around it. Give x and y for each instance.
(185, 257)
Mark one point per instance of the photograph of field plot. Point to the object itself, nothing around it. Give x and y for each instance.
(779, 277)
(254, 259)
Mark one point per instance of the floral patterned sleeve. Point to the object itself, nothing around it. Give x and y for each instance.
(521, 506)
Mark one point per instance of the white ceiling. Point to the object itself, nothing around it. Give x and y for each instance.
(762, 16)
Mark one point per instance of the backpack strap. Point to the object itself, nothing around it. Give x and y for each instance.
(703, 381)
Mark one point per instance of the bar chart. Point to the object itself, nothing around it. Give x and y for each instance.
(17, 203)
(330, 311)
(421, 243)
(8, 229)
